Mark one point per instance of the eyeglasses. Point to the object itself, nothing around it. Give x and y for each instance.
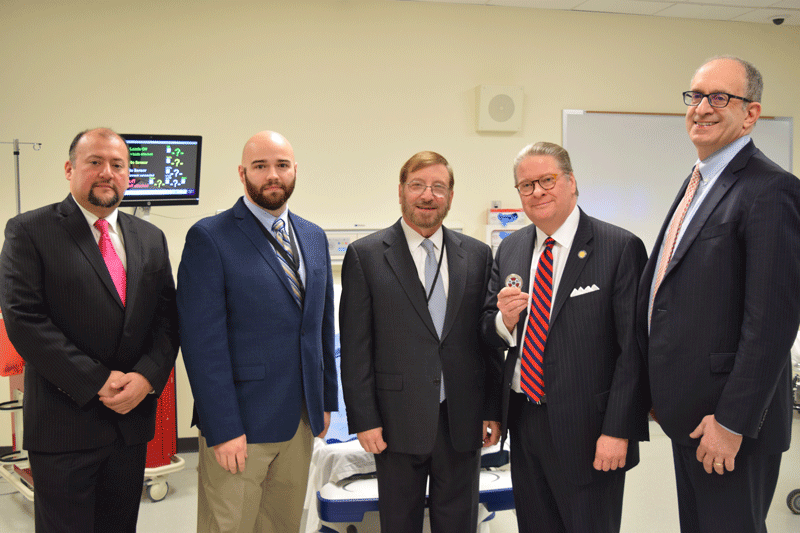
(417, 188)
(545, 182)
(693, 98)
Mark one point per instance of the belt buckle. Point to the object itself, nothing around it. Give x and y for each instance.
(540, 401)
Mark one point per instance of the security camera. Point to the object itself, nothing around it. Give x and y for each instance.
(778, 20)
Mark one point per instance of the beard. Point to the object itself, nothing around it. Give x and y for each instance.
(99, 202)
(426, 220)
(271, 201)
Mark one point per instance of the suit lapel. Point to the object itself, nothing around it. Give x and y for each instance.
(579, 255)
(250, 227)
(301, 234)
(457, 274)
(719, 189)
(521, 265)
(75, 223)
(402, 264)
(134, 255)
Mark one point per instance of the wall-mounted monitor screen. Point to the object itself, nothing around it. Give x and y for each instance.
(165, 169)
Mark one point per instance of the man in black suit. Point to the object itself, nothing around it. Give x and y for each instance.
(88, 299)
(720, 299)
(563, 290)
(421, 388)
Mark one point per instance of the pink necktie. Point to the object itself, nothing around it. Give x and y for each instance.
(532, 366)
(111, 258)
(672, 233)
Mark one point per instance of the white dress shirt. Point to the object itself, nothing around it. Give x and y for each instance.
(114, 232)
(563, 236)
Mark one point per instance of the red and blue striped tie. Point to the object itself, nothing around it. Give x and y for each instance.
(532, 368)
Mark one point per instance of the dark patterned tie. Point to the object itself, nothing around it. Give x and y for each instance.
(113, 262)
(532, 367)
(280, 230)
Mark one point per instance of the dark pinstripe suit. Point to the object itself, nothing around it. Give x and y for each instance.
(592, 362)
(65, 318)
(723, 323)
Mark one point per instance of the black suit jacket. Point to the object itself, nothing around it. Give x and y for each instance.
(392, 358)
(593, 366)
(728, 308)
(65, 318)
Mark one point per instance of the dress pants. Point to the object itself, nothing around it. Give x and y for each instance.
(453, 492)
(267, 497)
(89, 491)
(545, 500)
(734, 501)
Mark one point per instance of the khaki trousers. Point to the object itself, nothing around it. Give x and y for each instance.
(267, 497)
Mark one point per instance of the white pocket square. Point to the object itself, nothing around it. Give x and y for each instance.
(584, 290)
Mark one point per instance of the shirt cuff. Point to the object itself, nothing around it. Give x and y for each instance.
(502, 331)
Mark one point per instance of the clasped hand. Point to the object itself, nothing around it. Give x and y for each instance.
(122, 392)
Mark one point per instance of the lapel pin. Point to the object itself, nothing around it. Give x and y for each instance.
(514, 280)
(582, 254)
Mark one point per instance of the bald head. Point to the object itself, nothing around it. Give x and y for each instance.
(269, 140)
(268, 171)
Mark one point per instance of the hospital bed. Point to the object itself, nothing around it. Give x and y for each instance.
(342, 493)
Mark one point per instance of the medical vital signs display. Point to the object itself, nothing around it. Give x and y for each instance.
(164, 170)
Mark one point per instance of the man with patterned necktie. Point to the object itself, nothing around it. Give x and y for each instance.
(88, 300)
(255, 300)
(421, 388)
(719, 309)
(573, 398)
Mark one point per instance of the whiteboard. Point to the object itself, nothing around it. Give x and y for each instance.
(629, 166)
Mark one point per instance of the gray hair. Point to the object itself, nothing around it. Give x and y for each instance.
(755, 83)
(545, 149)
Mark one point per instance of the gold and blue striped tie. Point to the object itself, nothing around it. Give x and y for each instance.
(280, 230)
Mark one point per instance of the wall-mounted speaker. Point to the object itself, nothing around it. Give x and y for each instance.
(499, 108)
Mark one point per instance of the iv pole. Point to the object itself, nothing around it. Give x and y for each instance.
(16, 143)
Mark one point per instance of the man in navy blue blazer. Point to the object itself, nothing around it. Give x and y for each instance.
(255, 302)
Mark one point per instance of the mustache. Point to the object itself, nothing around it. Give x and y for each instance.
(273, 183)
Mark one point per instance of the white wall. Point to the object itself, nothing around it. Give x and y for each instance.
(356, 86)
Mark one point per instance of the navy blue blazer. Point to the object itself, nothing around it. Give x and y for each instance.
(727, 311)
(253, 357)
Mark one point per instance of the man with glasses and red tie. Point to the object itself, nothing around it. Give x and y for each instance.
(421, 388)
(562, 300)
(720, 303)
(88, 300)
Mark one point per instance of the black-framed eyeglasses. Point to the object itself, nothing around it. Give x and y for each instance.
(547, 182)
(437, 189)
(693, 98)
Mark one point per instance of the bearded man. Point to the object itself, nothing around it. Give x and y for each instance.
(255, 302)
(421, 387)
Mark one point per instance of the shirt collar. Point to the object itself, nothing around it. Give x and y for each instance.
(564, 234)
(713, 165)
(266, 218)
(414, 239)
(91, 218)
